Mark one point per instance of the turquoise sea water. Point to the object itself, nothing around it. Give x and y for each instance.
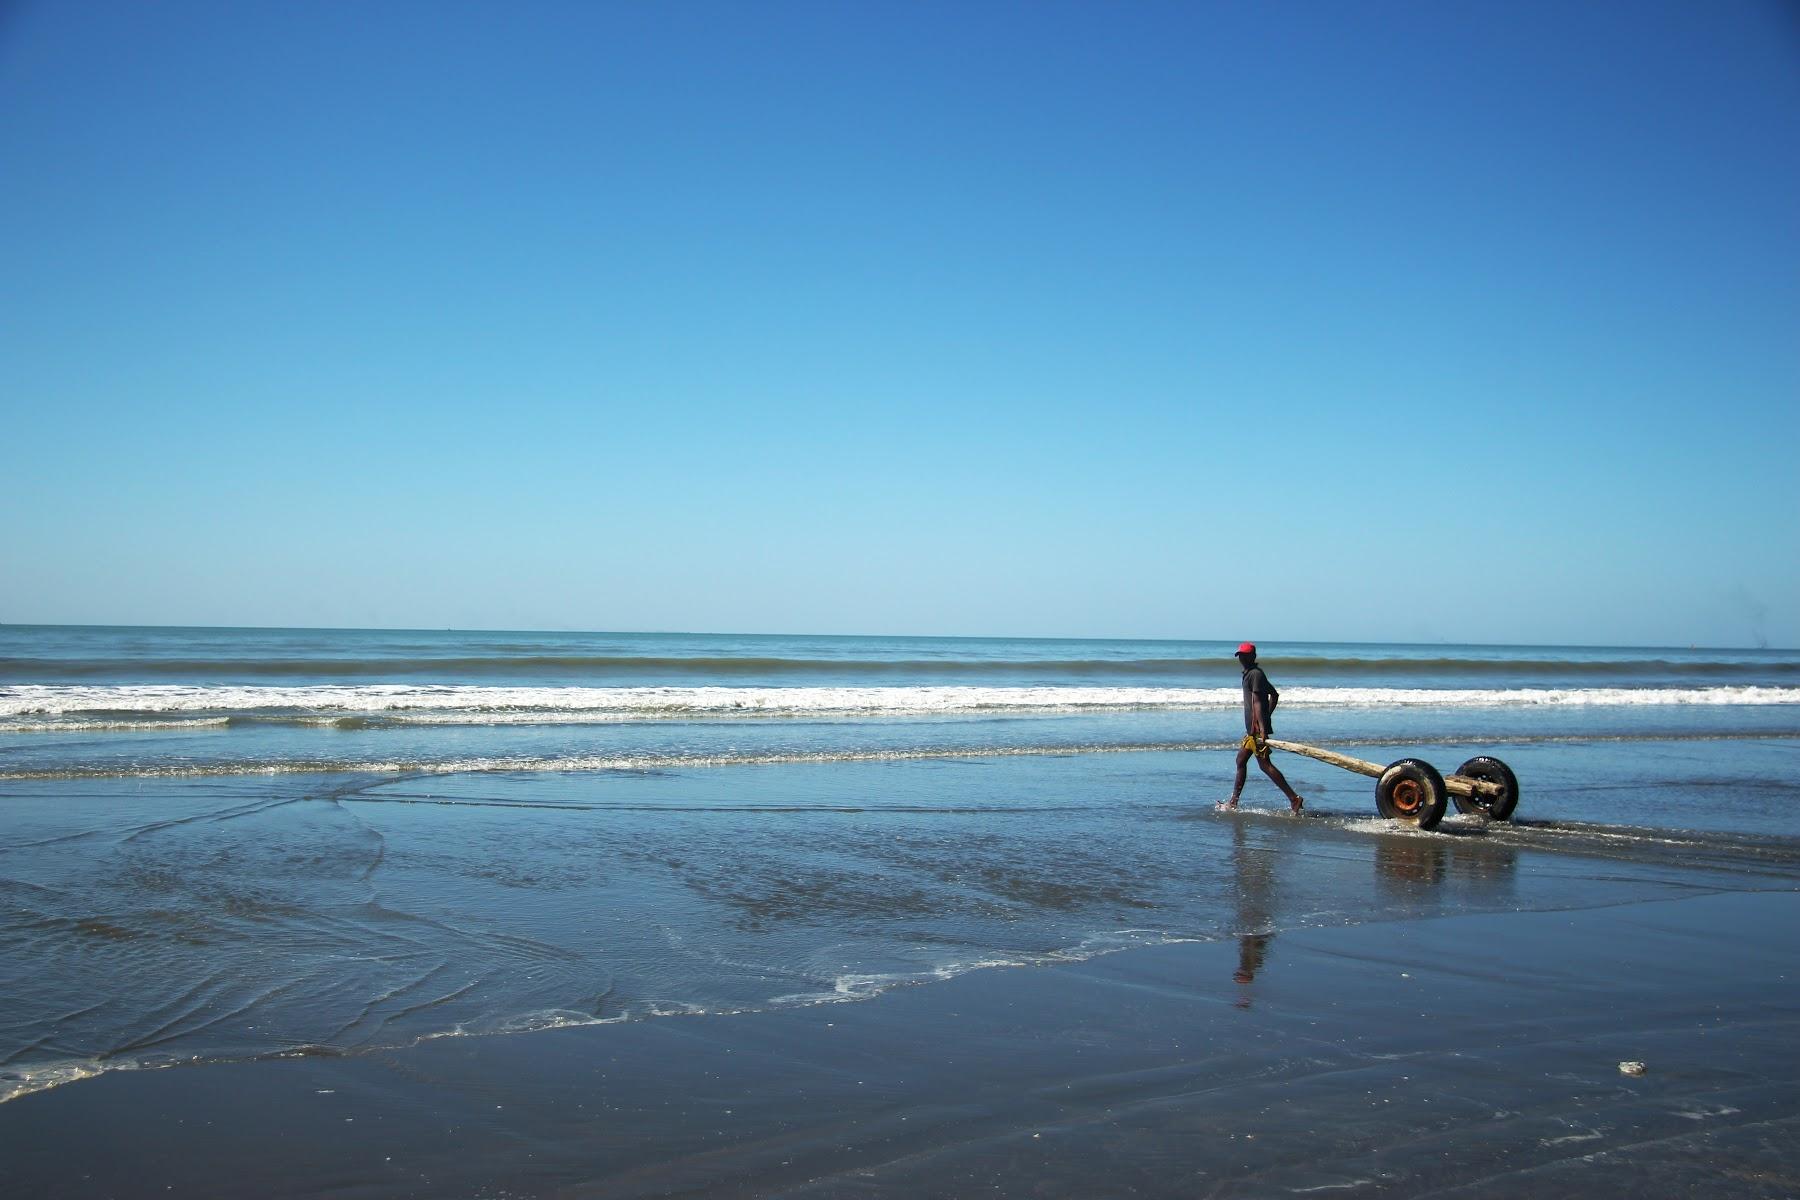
(224, 844)
(87, 703)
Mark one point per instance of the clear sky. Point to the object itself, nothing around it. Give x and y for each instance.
(1370, 321)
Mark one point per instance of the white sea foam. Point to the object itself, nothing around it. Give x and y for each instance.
(38, 706)
(855, 986)
(38, 1077)
(577, 763)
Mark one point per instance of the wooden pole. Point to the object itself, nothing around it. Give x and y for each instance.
(1372, 770)
(1456, 785)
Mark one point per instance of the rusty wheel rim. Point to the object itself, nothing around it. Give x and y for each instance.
(1408, 796)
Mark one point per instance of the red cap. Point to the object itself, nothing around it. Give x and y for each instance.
(1247, 648)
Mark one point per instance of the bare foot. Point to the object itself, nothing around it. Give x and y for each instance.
(1295, 803)
(1227, 805)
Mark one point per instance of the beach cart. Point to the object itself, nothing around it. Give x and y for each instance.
(1411, 789)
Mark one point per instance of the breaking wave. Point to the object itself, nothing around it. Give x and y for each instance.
(42, 707)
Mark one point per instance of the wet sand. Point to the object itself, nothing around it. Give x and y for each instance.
(1473, 1055)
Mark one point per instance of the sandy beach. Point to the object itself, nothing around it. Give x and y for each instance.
(1470, 1055)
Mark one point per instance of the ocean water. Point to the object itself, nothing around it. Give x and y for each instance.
(229, 844)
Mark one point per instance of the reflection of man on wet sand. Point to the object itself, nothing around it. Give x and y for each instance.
(1253, 876)
(1259, 723)
(1252, 949)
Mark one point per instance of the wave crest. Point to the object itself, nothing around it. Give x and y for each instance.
(37, 707)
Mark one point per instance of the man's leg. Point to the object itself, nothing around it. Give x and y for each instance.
(1266, 762)
(1237, 787)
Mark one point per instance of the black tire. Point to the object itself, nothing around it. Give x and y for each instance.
(1411, 790)
(1490, 770)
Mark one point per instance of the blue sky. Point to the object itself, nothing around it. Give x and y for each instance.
(1466, 321)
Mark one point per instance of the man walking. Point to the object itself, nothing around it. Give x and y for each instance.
(1259, 722)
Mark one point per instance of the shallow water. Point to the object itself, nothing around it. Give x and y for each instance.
(297, 880)
(156, 921)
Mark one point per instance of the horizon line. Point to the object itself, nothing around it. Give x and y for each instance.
(968, 637)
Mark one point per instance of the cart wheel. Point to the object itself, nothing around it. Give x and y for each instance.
(1411, 790)
(1490, 770)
